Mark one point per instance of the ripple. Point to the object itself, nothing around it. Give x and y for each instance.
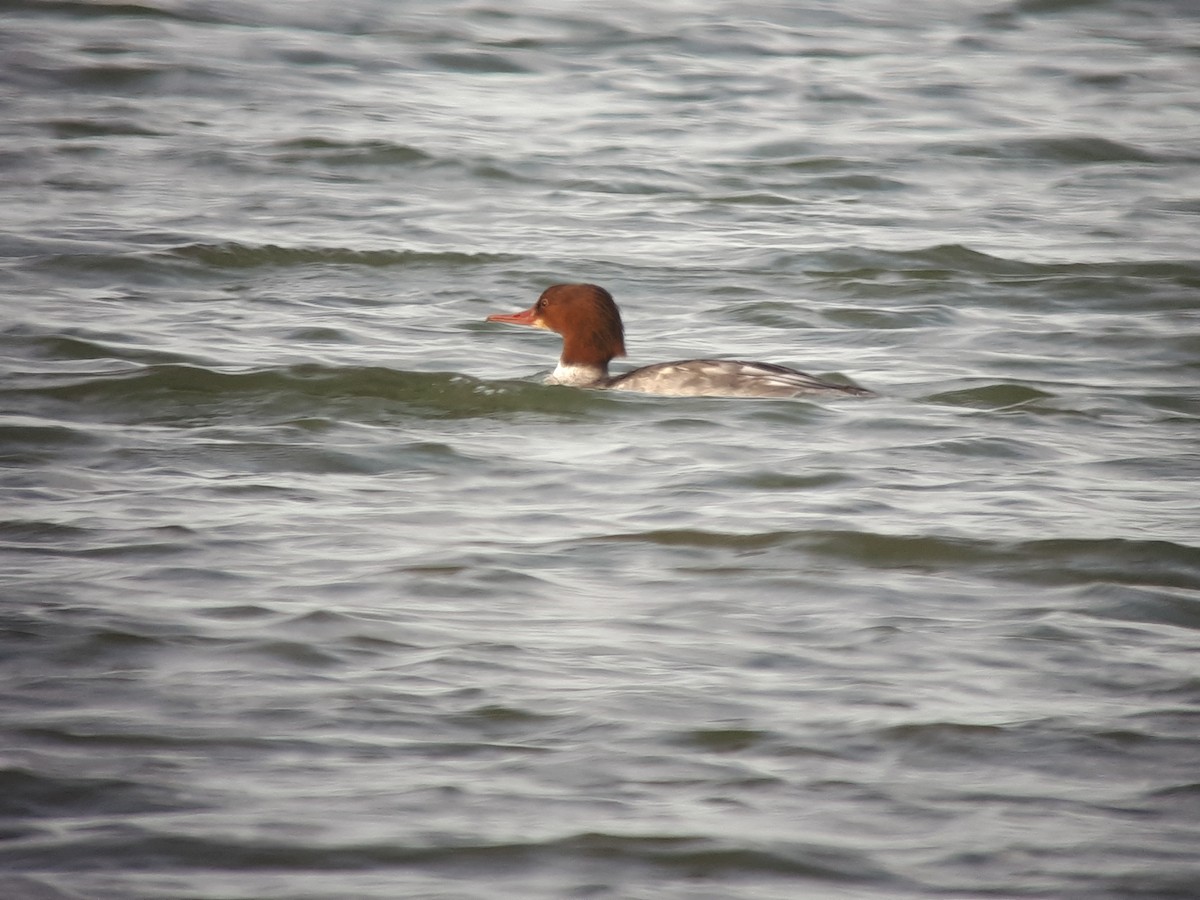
(232, 255)
(1056, 561)
(992, 396)
(725, 740)
(692, 857)
(86, 128)
(342, 153)
(478, 61)
(87, 10)
(33, 442)
(1086, 150)
(27, 793)
(185, 391)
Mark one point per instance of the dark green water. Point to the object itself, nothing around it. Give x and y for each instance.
(311, 589)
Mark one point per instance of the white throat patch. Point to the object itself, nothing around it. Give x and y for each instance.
(578, 376)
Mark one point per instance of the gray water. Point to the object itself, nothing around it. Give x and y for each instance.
(312, 589)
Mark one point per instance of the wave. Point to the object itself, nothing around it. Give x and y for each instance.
(30, 793)
(958, 257)
(349, 153)
(692, 856)
(235, 255)
(177, 391)
(1067, 149)
(1051, 561)
(87, 9)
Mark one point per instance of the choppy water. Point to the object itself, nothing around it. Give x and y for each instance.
(312, 590)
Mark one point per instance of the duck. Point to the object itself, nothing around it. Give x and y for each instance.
(593, 335)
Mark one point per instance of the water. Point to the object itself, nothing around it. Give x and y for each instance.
(313, 590)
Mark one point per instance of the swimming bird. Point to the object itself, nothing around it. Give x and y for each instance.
(589, 321)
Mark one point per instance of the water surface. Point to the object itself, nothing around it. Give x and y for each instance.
(311, 589)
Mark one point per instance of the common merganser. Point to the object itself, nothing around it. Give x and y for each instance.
(590, 324)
